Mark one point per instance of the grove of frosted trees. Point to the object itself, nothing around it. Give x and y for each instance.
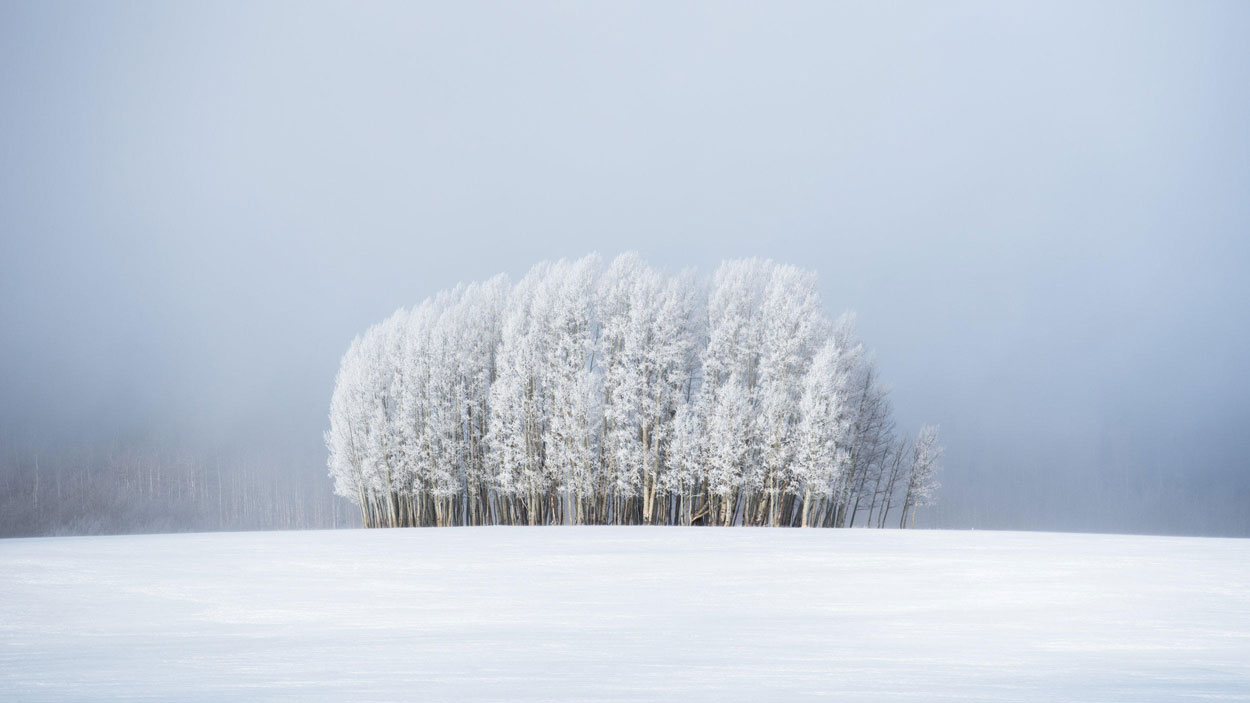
(618, 394)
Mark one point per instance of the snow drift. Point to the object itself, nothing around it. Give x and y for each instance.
(625, 614)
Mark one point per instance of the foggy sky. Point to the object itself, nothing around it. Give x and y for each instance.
(1039, 211)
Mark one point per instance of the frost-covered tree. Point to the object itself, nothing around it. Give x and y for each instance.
(894, 467)
(730, 450)
(345, 439)
(648, 358)
(623, 292)
(476, 321)
(793, 328)
(516, 429)
(362, 441)
(922, 473)
(567, 333)
(730, 387)
(822, 436)
(871, 429)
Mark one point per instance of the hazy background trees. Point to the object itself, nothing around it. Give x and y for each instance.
(140, 485)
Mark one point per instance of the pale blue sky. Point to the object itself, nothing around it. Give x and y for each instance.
(1039, 210)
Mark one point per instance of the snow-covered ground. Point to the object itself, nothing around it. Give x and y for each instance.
(631, 613)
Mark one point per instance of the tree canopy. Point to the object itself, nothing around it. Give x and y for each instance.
(619, 394)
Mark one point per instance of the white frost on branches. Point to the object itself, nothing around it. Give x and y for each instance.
(621, 394)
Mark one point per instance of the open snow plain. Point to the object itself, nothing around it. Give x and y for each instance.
(633, 613)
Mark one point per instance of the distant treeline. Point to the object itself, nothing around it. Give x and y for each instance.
(587, 394)
(121, 487)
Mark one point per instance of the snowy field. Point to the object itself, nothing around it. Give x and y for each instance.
(615, 614)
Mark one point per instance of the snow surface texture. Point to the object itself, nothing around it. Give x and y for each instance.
(625, 613)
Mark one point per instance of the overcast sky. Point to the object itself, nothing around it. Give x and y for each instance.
(1039, 211)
